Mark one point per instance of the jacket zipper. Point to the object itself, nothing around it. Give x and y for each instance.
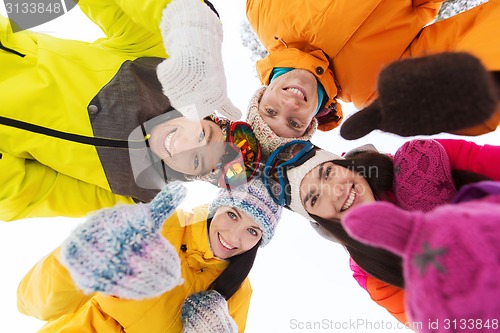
(11, 50)
(88, 140)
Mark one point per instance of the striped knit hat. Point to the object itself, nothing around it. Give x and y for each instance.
(253, 199)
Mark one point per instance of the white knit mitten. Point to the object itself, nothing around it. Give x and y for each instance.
(193, 76)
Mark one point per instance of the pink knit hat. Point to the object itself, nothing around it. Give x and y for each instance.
(450, 260)
(269, 141)
(422, 175)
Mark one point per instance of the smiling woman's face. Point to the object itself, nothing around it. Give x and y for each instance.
(289, 103)
(232, 232)
(191, 147)
(330, 190)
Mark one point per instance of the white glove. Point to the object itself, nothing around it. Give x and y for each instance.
(193, 76)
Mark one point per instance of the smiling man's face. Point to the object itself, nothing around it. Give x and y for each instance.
(191, 147)
(289, 103)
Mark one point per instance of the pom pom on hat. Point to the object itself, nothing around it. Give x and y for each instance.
(253, 199)
(295, 176)
(207, 312)
(269, 141)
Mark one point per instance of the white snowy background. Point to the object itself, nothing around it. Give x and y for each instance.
(301, 282)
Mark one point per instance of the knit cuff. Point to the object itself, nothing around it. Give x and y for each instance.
(207, 312)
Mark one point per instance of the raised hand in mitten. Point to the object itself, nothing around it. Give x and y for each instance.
(450, 257)
(207, 312)
(422, 175)
(446, 92)
(193, 76)
(119, 251)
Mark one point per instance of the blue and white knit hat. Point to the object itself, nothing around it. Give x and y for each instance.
(207, 312)
(253, 199)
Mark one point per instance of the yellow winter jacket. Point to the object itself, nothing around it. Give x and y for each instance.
(48, 293)
(346, 43)
(51, 83)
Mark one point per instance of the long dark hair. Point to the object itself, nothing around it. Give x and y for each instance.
(230, 280)
(379, 263)
(378, 170)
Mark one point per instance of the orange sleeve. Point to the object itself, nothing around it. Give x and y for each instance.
(390, 297)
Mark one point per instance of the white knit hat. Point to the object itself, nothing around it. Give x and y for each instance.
(269, 141)
(298, 173)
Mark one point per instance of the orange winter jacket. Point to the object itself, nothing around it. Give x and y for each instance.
(343, 43)
(346, 43)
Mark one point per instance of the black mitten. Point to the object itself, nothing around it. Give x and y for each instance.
(445, 92)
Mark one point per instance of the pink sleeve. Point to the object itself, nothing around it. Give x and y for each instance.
(469, 156)
(359, 275)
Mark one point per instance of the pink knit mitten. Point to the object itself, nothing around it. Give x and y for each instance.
(450, 259)
(422, 175)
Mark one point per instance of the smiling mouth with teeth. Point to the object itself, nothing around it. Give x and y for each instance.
(297, 93)
(224, 244)
(168, 143)
(350, 199)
